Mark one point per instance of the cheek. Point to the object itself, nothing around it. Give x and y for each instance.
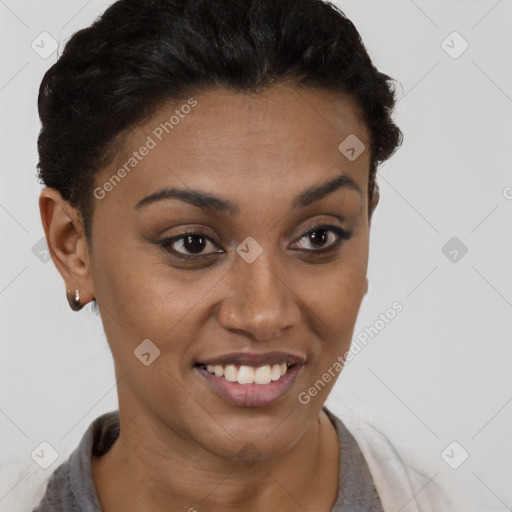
(340, 309)
(143, 297)
(343, 286)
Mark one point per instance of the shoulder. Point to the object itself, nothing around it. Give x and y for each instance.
(23, 485)
(70, 487)
(399, 485)
(29, 488)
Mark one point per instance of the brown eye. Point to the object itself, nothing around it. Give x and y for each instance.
(321, 236)
(189, 244)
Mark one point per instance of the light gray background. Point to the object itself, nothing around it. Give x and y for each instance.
(439, 372)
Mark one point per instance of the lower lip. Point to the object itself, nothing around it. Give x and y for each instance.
(251, 395)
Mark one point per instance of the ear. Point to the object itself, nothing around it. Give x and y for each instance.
(66, 242)
(374, 201)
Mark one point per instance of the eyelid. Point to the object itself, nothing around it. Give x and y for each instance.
(340, 233)
(171, 240)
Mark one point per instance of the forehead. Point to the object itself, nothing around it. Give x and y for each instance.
(272, 135)
(278, 116)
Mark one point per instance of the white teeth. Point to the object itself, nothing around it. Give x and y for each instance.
(275, 372)
(262, 375)
(247, 374)
(230, 373)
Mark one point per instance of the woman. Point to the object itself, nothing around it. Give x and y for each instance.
(210, 181)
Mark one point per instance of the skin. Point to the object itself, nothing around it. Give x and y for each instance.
(180, 443)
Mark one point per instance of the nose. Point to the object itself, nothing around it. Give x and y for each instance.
(260, 303)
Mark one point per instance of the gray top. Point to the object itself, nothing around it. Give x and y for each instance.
(71, 487)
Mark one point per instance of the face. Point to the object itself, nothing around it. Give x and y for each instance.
(251, 261)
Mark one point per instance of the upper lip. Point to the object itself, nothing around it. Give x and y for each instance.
(254, 359)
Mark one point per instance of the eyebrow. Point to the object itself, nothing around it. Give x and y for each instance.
(210, 202)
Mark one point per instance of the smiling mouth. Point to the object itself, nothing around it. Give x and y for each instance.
(243, 374)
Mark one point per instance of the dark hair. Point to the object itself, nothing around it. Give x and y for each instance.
(114, 74)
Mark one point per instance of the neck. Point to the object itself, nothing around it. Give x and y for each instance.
(140, 475)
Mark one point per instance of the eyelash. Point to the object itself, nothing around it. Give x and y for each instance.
(341, 234)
